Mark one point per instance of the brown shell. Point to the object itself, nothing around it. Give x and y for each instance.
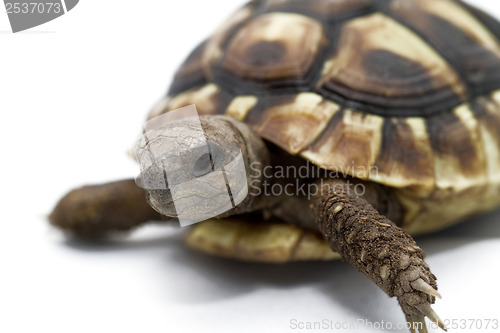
(405, 93)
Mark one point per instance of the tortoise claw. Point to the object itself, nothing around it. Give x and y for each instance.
(428, 312)
(415, 316)
(424, 287)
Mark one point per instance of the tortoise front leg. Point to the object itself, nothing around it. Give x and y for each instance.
(378, 248)
(101, 209)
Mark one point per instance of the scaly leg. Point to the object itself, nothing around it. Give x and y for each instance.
(101, 209)
(378, 248)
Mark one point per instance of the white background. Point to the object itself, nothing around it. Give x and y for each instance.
(73, 94)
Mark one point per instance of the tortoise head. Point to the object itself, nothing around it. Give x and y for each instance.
(193, 168)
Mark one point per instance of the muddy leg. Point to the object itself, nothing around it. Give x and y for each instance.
(378, 248)
(101, 209)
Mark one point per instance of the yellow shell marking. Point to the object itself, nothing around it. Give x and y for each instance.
(201, 97)
(240, 106)
(251, 241)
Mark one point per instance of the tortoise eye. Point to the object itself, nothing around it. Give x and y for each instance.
(203, 165)
(209, 161)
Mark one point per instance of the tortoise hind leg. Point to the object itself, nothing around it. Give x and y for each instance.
(100, 209)
(378, 248)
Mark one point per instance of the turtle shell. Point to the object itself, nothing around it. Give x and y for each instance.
(248, 240)
(405, 93)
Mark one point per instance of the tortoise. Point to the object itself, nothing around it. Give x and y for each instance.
(399, 98)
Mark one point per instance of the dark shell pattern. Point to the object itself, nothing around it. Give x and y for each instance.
(407, 90)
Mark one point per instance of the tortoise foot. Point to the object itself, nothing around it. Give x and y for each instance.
(95, 211)
(381, 250)
(415, 288)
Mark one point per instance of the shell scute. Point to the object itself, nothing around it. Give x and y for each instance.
(459, 161)
(456, 34)
(350, 144)
(295, 125)
(274, 46)
(410, 161)
(380, 61)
